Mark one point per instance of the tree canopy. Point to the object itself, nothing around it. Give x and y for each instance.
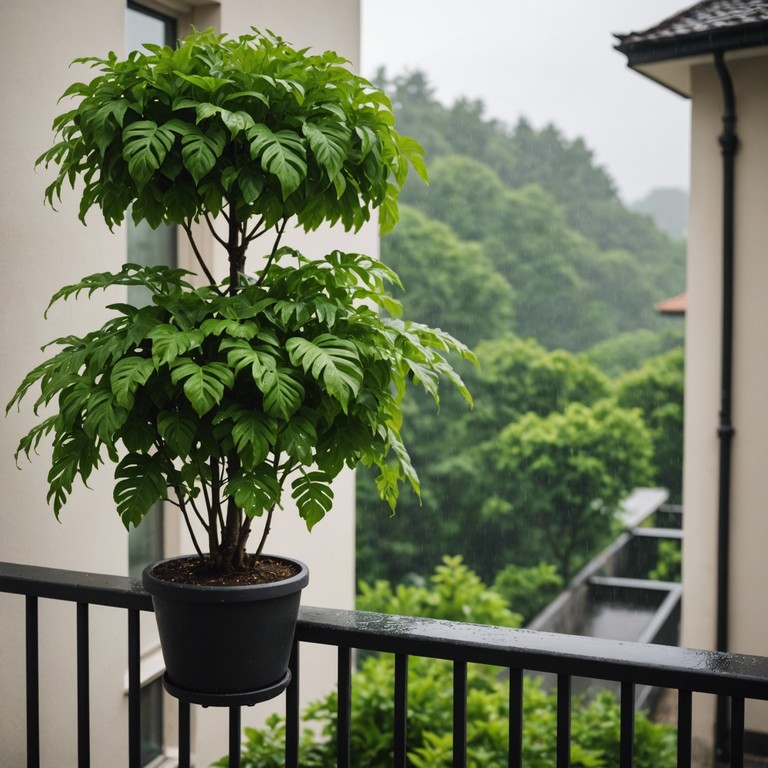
(521, 247)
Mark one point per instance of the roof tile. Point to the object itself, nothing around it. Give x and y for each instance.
(706, 16)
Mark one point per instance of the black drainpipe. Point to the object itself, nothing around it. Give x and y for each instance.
(729, 144)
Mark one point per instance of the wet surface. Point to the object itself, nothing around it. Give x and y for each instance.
(616, 621)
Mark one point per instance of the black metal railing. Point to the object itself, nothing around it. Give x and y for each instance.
(736, 676)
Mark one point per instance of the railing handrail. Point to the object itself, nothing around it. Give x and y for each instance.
(731, 674)
(665, 666)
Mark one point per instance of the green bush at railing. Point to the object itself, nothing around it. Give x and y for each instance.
(595, 724)
(454, 593)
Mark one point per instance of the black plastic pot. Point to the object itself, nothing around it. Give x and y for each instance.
(226, 640)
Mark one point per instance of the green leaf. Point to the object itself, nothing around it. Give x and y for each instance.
(168, 342)
(332, 361)
(329, 144)
(281, 153)
(313, 495)
(261, 360)
(141, 481)
(251, 183)
(233, 328)
(203, 384)
(237, 122)
(283, 394)
(74, 453)
(200, 152)
(145, 145)
(137, 435)
(254, 491)
(253, 433)
(415, 154)
(177, 431)
(127, 376)
(298, 438)
(103, 415)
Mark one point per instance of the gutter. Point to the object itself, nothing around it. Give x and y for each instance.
(729, 144)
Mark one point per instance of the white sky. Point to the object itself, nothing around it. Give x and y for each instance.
(551, 61)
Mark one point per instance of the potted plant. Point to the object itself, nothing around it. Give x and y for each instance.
(217, 397)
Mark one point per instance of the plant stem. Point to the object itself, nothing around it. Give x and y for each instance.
(214, 510)
(235, 250)
(183, 507)
(213, 231)
(265, 533)
(275, 246)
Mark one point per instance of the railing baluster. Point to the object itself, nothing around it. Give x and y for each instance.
(459, 714)
(684, 728)
(401, 710)
(563, 721)
(737, 732)
(185, 741)
(33, 684)
(627, 739)
(234, 737)
(344, 708)
(292, 712)
(83, 689)
(134, 690)
(515, 718)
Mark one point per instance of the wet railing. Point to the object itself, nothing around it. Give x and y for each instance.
(735, 676)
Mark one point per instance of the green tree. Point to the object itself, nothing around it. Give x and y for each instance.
(517, 376)
(546, 261)
(564, 474)
(450, 283)
(628, 351)
(464, 193)
(565, 169)
(450, 454)
(657, 390)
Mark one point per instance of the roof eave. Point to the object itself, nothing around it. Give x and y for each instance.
(643, 54)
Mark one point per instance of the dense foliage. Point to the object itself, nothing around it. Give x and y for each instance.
(216, 398)
(455, 593)
(521, 246)
(584, 267)
(595, 724)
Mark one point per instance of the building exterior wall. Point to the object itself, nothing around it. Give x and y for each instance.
(748, 621)
(42, 250)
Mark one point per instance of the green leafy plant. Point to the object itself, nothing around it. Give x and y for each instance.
(216, 398)
(454, 593)
(595, 724)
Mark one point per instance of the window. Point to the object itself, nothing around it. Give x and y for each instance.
(149, 247)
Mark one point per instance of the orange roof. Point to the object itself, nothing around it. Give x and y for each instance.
(677, 305)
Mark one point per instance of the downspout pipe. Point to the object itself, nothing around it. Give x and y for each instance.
(729, 144)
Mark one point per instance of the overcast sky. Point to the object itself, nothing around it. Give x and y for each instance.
(551, 61)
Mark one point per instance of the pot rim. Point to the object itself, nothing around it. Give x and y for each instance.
(218, 593)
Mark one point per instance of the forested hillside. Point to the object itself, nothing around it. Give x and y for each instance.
(521, 247)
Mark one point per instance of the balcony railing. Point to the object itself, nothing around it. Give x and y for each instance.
(735, 676)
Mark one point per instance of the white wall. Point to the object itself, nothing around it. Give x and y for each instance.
(40, 251)
(748, 620)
